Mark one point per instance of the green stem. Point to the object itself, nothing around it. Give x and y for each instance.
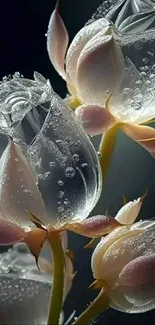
(58, 280)
(95, 308)
(106, 149)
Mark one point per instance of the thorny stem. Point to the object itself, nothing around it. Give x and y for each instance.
(95, 308)
(106, 149)
(58, 280)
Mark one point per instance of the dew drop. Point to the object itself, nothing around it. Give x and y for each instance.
(60, 209)
(99, 154)
(69, 172)
(84, 165)
(47, 175)
(60, 194)
(76, 157)
(60, 182)
(51, 164)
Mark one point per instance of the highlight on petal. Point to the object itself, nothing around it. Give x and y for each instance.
(100, 68)
(105, 257)
(10, 233)
(95, 119)
(57, 42)
(18, 190)
(68, 172)
(78, 43)
(96, 226)
(142, 134)
(139, 271)
(129, 212)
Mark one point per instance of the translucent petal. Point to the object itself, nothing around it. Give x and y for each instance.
(66, 165)
(129, 212)
(119, 11)
(18, 190)
(57, 42)
(100, 69)
(137, 23)
(133, 299)
(135, 101)
(78, 43)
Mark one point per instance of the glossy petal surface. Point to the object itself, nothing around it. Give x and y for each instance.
(66, 166)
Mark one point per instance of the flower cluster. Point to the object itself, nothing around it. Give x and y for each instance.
(50, 173)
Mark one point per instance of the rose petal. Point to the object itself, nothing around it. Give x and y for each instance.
(95, 119)
(100, 68)
(10, 233)
(78, 43)
(57, 42)
(138, 271)
(18, 190)
(142, 134)
(101, 262)
(96, 226)
(129, 212)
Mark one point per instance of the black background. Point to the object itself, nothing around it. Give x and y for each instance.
(23, 25)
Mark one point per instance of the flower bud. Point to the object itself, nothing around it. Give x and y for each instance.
(125, 260)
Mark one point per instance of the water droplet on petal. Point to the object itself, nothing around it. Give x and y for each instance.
(70, 172)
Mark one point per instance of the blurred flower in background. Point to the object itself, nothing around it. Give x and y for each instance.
(24, 290)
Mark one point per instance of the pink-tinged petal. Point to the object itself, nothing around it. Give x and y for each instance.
(142, 134)
(139, 271)
(10, 233)
(18, 190)
(100, 68)
(96, 226)
(78, 43)
(129, 212)
(95, 119)
(57, 42)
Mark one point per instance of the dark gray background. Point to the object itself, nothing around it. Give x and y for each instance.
(23, 24)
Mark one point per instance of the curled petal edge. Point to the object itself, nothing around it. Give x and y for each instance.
(95, 226)
(144, 135)
(57, 42)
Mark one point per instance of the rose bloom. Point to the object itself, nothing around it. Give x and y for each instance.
(123, 262)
